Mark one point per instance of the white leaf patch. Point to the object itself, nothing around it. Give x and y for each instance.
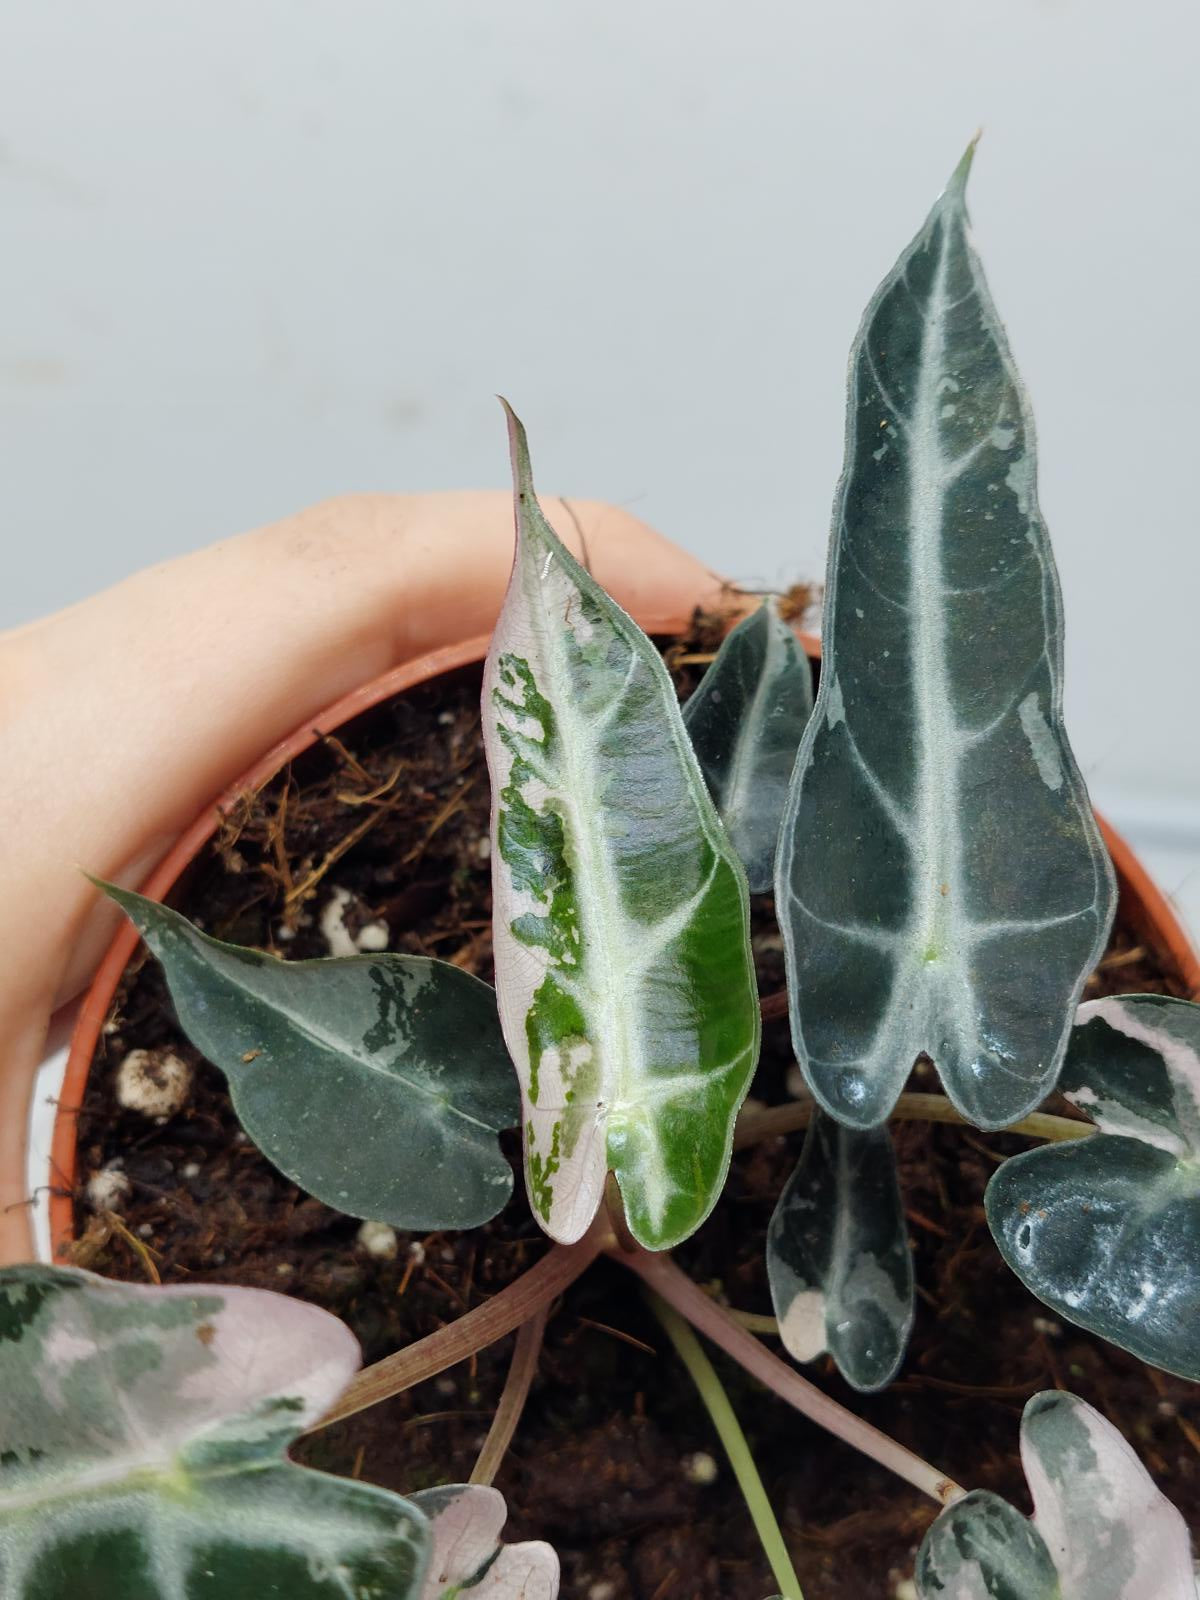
(621, 918)
(1112, 1535)
(1100, 1529)
(466, 1522)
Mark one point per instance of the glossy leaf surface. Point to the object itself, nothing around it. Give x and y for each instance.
(745, 721)
(1111, 1533)
(468, 1558)
(1106, 1230)
(980, 1548)
(621, 915)
(1100, 1529)
(837, 1254)
(377, 1083)
(142, 1438)
(941, 881)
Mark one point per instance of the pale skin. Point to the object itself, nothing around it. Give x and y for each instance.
(125, 715)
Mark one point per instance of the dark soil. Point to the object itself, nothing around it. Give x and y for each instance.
(602, 1461)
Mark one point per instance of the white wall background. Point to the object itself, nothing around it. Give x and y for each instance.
(255, 252)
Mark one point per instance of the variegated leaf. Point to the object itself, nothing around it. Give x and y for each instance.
(468, 1558)
(1100, 1530)
(981, 1549)
(1106, 1230)
(941, 881)
(837, 1254)
(745, 721)
(1111, 1533)
(621, 915)
(377, 1083)
(142, 1439)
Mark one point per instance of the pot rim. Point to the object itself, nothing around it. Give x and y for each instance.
(1147, 908)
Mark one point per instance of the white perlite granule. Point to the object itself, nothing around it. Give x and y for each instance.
(107, 1188)
(378, 1239)
(154, 1082)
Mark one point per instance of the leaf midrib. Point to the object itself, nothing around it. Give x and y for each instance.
(339, 1049)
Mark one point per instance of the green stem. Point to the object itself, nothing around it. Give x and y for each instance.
(729, 1430)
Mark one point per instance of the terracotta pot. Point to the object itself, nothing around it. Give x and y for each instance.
(1143, 904)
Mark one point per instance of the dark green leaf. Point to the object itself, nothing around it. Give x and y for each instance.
(377, 1083)
(941, 881)
(837, 1254)
(1107, 1230)
(745, 721)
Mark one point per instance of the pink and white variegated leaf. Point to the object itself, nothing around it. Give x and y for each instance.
(466, 1520)
(1100, 1529)
(621, 915)
(1110, 1532)
(142, 1449)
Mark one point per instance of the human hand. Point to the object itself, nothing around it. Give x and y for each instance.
(126, 714)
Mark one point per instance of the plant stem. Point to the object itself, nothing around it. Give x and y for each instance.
(729, 1430)
(756, 1322)
(512, 1401)
(909, 1108)
(514, 1305)
(708, 1318)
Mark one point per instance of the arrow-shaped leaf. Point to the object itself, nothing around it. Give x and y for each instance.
(468, 1558)
(623, 965)
(941, 882)
(142, 1438)
(837, 1254)
(982, 1549)
(377, 1083)
(745, 721)
(1100, 1530)
(1106, 1230)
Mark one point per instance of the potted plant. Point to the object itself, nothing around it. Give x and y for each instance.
(943, 896)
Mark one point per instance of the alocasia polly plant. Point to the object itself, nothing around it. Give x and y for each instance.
(745, 721)
(466, 1555)
(1100, 1529)
(941, 889)
(621, 920)
(377, 1082)
(1107, 1230)
(837, 1254)
(941, 883)
(142, 1440)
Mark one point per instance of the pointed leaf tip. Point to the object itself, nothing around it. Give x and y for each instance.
(518, 449)
(956, 188)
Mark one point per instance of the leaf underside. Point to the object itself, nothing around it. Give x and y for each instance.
(838, 1259)
(1107, 1231)
(941, 881)
(745, 721)
(467, 1556)
(376, 1083)
(142, 1438)
(621, 915)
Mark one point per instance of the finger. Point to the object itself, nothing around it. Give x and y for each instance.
(135, 708)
